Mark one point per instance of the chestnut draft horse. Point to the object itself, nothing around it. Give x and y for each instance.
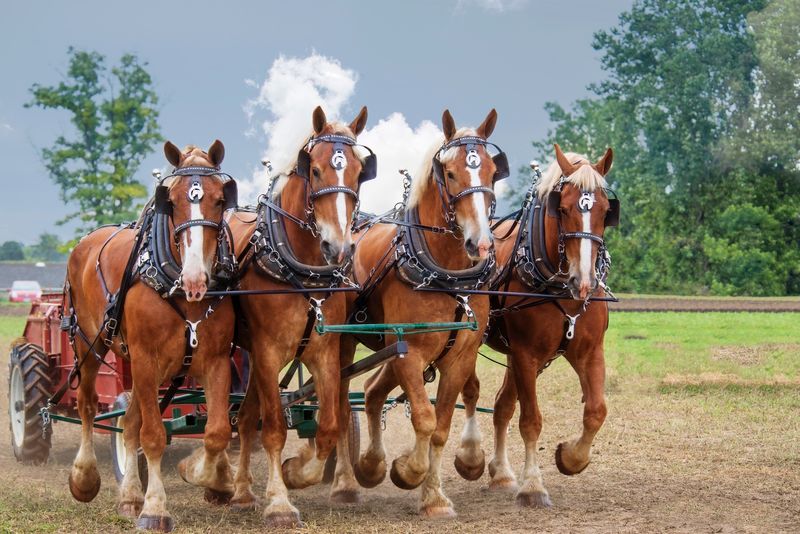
(570, 213)
(444, 242)
(157, 329)
(301, 240)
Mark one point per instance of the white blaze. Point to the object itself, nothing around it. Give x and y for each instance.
(586, 247)
(193, 264)
(341, 206)
(480, 204)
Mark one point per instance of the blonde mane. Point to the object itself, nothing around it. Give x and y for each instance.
(585, 178)
(424, 177)
(338, 128)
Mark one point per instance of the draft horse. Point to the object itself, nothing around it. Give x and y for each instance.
(558, 248)
(140, 291)
(301, 240)
(443, 242)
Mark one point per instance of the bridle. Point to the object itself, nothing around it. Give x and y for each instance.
(195, 195)
(473, 162)
(160, 267)
(585, 203)
(338, 161)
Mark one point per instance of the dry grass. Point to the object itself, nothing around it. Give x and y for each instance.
(691, 457)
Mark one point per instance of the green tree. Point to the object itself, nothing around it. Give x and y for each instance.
(11, 251)
(115, 118)
(48, 248)
(701, 105)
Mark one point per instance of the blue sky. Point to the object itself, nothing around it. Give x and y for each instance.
(223, 71)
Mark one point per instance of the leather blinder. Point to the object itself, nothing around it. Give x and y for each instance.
(369, 169)
(303, 164)
(162, 203)
(553, 203)
(612, 215)
(231, 193)
(501, 166)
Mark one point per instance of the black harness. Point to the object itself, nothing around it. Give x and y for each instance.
(408, 254)
(532, 266)
(273, 255)
(151, 259)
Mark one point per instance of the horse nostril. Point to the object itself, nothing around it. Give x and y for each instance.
(327, 248)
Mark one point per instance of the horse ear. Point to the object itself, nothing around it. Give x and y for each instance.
(603, 165)
(358, 124)
(567, 168)
(448, 125)
(319, 120)
(487, 127)
(216, 153)
(172, 153)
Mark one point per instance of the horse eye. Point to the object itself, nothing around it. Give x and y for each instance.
(450, 176)
(315, 173)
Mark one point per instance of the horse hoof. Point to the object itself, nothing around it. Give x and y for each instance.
(503, 484)
(402, 483)
(346, 496)
(562, 467)
(130, 509)
(247, 501)
(217, 497)
(84, 495)
(370, 479)
(288, 471)
(469, 472)
(438, 512)
(534, 500)
(162, 523)
(283, 520)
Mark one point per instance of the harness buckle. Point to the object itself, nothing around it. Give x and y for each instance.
(463, 301)
(192, 326)
(316, 306)
(572, 319)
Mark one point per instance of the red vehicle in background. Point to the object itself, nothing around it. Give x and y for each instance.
(25, 291)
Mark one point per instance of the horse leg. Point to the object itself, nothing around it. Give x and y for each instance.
(209, 466)
(370, 470)
(249, 414)
(345, 487)
(279, 513)
(308, 466)
(470, 459)
(531, 491)
(409, 470)
(84, 478)
(153, 438)
(573, 456)
(505, 402)
(433, 502)
(131, 497)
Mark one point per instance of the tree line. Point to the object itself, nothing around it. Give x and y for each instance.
(702, 107)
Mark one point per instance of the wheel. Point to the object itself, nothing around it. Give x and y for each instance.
(118, 453)
(353, 443)
(29, 387)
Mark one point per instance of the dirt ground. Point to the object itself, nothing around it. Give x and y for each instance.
(670, 458)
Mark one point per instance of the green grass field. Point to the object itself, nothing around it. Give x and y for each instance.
(698, 403)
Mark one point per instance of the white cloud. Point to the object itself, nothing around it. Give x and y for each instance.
(492, 5)
(6, 128)
(398, 146)
(292, 89)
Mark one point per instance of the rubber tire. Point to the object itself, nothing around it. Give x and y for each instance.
(33, 367)
(353, 443)
(122, 402)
